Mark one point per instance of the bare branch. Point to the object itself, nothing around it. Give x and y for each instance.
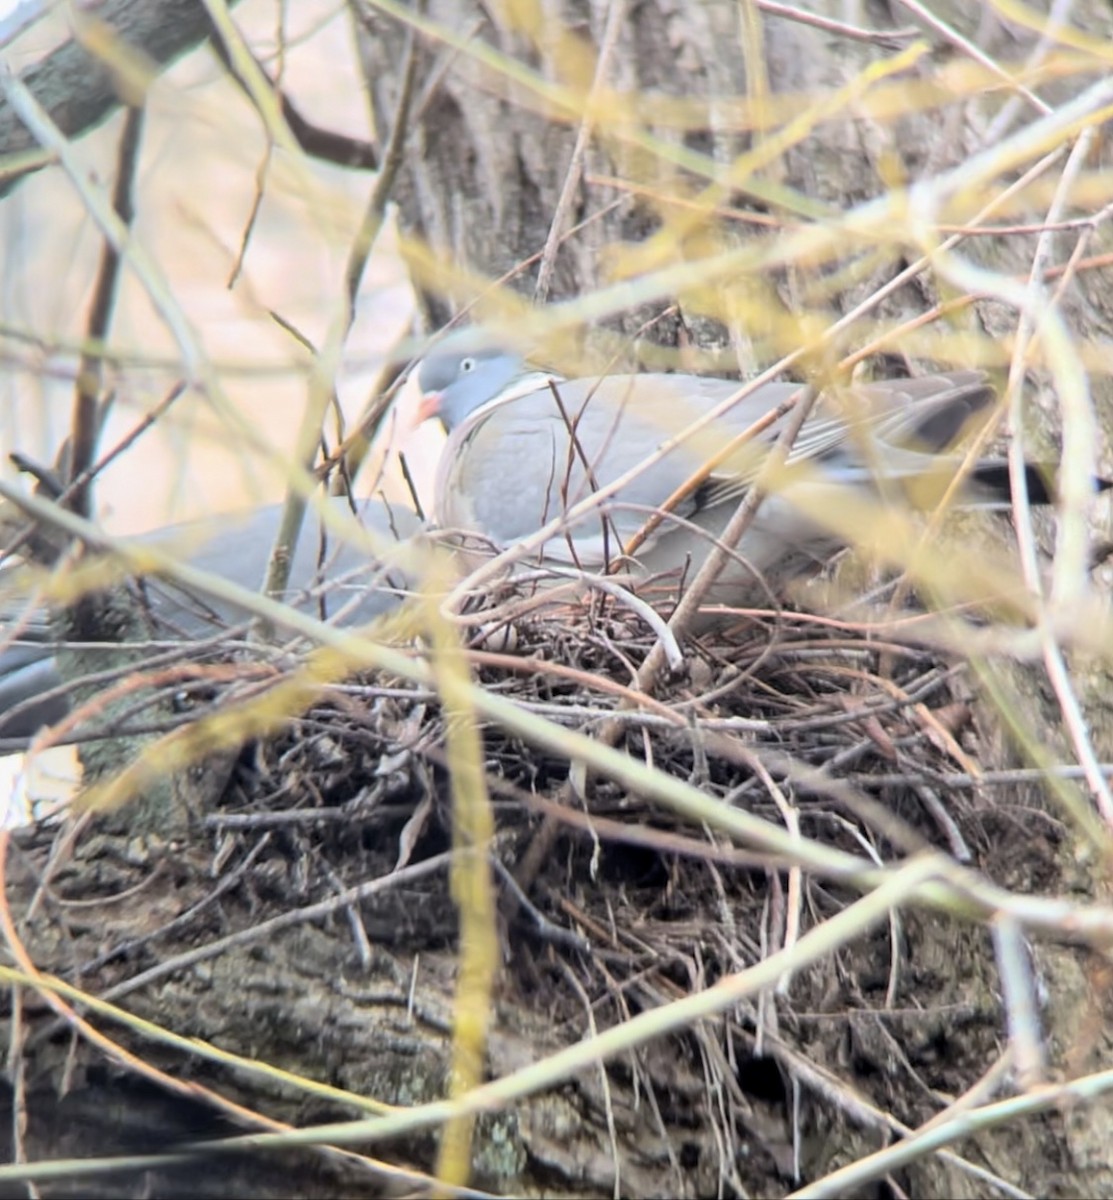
(79, 90)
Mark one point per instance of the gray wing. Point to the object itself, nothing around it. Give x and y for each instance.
(330, 579)
(27, 675)
(336, 582)
(893, 428)
(517, 467)
(524, 463)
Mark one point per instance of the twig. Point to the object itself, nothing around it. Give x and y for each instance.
(545, 927)
(975, 52)
(393, 157)
(87, 418)
(887, 38)
(286, 920)
(616, 12)
(321, 386)
(732, 535)
(1019, 993)
(604, 1082)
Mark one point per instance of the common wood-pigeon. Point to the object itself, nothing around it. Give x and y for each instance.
(526, 446)
(328, 578)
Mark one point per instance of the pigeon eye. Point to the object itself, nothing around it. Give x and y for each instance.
(467, 365)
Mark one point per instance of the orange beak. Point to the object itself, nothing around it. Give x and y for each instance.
(430, 406)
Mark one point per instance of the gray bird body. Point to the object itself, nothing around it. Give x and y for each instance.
(236, 548)
(522, 451)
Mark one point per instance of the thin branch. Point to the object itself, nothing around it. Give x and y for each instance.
(321, 391)
(325, 145)
(616, 12)
(87, 416)
(76, 85)
(393, 157)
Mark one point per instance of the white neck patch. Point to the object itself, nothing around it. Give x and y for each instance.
(524, 385)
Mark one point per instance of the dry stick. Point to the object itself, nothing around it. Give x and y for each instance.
(1078, 431)
(1057, 17)
(616, 10)
(86, 422)
(352, 450)
(542, 843)
(705, 471)
(184, 920)
(197, 367)
(959, 1121)
(924, 261)
(801, 404)
(915, 268)
(17, 1072)
(248, 73)
(262, 170)
(1063, 272)
(832, 1091)
(317, 142)
(348, 453)
(1071, 561)
(978, 55)
(1016, 230)
(388, 174)
(604, 1079)
(125, 443)
(293, 511)
(470, 883)
(890, 39)
(265, 930)
(51, 138)
(576, 450)
(497, 564)
(1019, 993)
(1027, 330)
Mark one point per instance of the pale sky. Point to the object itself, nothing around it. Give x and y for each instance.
(203, 154)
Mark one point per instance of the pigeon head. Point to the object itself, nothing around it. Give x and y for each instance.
(455, 381)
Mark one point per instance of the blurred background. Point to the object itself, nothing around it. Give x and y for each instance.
(238, 272)
(252, 248)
